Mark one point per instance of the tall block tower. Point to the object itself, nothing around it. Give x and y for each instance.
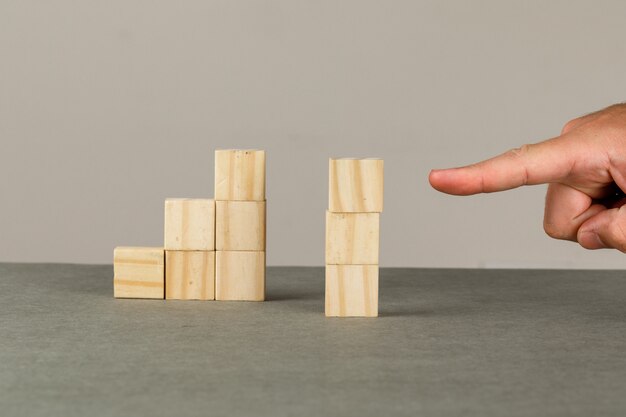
(352, 237)
(240, 225)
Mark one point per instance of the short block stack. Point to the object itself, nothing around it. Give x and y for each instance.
(352, 237)
(189, 249)
(214, 248)
(240, 225)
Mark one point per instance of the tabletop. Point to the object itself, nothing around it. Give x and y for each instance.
(448, 342)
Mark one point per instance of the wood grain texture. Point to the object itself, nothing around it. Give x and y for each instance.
(240, 275)
(240, 175)
(190, 275)
(352, 238)
(240, 225)
(189, 224)
(138, 272)
(355, 185)
(351, 290)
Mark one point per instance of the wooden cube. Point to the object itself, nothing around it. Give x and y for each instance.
(352, 238)
(351, 290)
(240, 275)
(355, 185)
(240, 175)
(189, 224)
(240, 225)
(138, 272)
(189, 275)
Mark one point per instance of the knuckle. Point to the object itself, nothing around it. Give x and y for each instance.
(567, 127)
(557, 231)
(520, 152)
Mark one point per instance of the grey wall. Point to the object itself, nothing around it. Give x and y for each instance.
(107, 108)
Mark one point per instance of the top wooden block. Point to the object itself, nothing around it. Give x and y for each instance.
(240, 175)
(355, 185)
(189, 224)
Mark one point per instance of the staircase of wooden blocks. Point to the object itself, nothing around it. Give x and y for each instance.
(352, 237)
(213, 248)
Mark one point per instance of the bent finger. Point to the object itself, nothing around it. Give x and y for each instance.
(566, 209)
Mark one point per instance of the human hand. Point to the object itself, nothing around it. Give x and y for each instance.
(585, 168)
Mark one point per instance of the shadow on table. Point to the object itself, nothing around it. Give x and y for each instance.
(416, 311)
(285, 296)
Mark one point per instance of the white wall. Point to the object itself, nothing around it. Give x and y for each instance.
(107, 108)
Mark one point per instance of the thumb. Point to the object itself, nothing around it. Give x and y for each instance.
(606, 229)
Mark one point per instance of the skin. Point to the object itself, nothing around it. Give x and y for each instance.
(584, 167)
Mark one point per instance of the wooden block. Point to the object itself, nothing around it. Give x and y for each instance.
(355, 185)
(189, 275)
(240, 275)
(138, 272)
(240, 225)
(352, 238)
(351, 290)
(240, 175)
(189, 224)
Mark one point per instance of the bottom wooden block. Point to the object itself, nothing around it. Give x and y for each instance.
(351, 290)
(138, 272)
(240, 275)
(189, 275)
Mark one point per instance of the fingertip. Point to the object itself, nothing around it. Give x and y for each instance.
(454, 181)
(590, 240)
(590, 233)
(433, 176)
(438, 179)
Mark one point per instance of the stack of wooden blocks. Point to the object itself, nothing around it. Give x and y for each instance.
(214, 248)
(240, 225)
(352, 237)
(189, 249)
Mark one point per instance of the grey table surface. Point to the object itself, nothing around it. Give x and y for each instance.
(447, 343)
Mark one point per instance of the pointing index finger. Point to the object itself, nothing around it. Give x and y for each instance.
(539, 163)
